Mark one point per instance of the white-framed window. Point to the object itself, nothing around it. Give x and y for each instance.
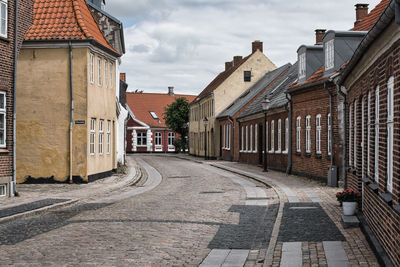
(108, 137)
(242, 143)
(247, 138)
(101, 135)
(255, 138)
(91, 70)
(272, 136)
(355, 134)
(362, 137)
(298, 134)
(302, 66)
(3, 120)
(390, 130)
(142, 139)
(3, 190)
(369, 135)
(251, 138)
(308, 134)
(279, 136)
(286, 135)
(376, 149)
(3, 18)
(158, 139)
(229, 136)
(99, 74)
(92, 135)
(171, 138)
(223, 137)
(266, 137)
(350, 134)
(329, 55)
(105, 73)
(318, 130)
(329, 143)
(111, 70)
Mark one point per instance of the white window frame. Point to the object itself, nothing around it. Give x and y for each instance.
(329, 143)
(223, 137)
(279, 136)
(350, 134)
(376, 143)
(355, 148)
(99, 74)
(101, 136)
(158, 139)
(302, 65)
(329, 55)
(369, 134)
(92, 140)
(318, 131)
(105, 73)
(298, 134)
(91, 71)
(308, 134)
(390, 133)
(255, 138)
(242, 144)
(108, 137)
(143, 136)
(4, 5)
(229, 136)
(247, 138)
(171, 138)
(251, 138)
(111, 70)
(3, 112)
(267, 136)
(3, 190)
(286, 136)
(272, 137)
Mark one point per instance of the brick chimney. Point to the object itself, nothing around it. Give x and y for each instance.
(237, 60)
(319, 35)
(122, 76)
(256, 45)
(170, 90)
(228, 65)
(361, 12)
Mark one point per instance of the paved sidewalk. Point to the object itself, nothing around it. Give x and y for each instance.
(308, 230)
(34, 198)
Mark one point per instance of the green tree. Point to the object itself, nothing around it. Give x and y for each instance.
(176, 117)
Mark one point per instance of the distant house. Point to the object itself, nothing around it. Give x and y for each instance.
(239, 75)
(10, 45)
(67, 80)
(146, 130)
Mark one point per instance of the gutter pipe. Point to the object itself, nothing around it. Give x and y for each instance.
(331, 131)
(345, 104)
(71, 125)
(289, 166)
(14, 116)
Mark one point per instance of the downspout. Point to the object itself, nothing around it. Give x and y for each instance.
(231, 139)
(331, 131)
(71, 125)
(289, 166)
(14, 118)
(344, 173)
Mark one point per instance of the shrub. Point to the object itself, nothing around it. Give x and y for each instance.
(348, 195)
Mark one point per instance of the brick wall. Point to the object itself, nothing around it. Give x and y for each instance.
(382, 215)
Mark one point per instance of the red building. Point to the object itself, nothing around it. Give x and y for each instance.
(10, 43)
(146, 128)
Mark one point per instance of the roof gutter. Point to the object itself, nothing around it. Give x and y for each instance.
(295, 89)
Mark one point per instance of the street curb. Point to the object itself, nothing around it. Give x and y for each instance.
(188, 159)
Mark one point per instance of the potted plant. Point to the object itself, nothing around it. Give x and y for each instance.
(348, 199)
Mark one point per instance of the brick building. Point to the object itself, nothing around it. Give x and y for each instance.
(372, 83)
(12, 33)
(146, 128)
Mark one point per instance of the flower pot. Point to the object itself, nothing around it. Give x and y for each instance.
(349, 208)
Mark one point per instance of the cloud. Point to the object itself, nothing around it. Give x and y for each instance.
(184, 43)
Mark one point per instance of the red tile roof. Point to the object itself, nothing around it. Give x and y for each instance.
(65, 20)
(369, 21)
(220, 79)
(142, 103)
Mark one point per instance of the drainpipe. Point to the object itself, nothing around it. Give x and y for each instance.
(14, 118)
(345, 104)
(232, 138)
(71, 125)
(289, 166)
(331, 132)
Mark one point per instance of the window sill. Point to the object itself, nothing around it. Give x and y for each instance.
(352, 170)
(4, 150)
(318, 156)
(387, 197)
(308, 155)
(397, 209)
(284, 152)
(271, 152)
(328, 157)
(366, 180)
(298, 153)
(374, 187)
(278, 152)
(5, 39)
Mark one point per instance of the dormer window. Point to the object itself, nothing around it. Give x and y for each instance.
(154, 115)
(329, 55)
(247, 76)
(302, 66)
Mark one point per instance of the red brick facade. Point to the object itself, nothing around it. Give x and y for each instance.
(7, 45)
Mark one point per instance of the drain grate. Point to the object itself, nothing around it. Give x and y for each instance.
(212, 192)
(179, 177)
(302, 208)
(259, 198)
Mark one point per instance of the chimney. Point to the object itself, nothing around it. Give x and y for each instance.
(361, 12)
(256, 45)
(228, 65)
(237, 60)
(319, 35)
(170, 90)
(122, 76)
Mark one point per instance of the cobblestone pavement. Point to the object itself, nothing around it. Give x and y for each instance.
(194, 210)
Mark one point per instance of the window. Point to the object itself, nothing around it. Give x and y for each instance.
(318, 129)
(111, 75)
(158, 139)
(279, 136)
(171, 138)
(242, 146)
(272, 136)
(255, 137)
(108, 137)
(298, 134)
(3, 119)
(229, 136)
(329, 148)
(390, 124)
(247, 76)
(223, 137)
(105, 73)
(308, 134)
(329, 55)
(355, 134)
(251, 138)
(286, 135)
(154, 115)
(3, 190)
(101, 134)
(3, 18)
(91, 68)
(350, 133)
(99, 71)
(362, 137)
(302, 66)
(247, 138)
(92, 135)
(142, 139)
(376, 152)
(368, 134)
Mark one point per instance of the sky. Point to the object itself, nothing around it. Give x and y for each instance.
(185, 43)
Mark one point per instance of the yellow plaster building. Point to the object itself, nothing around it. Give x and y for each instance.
(239, 74)
(66, 105)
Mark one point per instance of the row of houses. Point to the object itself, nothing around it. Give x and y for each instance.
(62, 100)
(333, 116)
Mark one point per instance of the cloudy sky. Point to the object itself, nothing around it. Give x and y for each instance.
(185, 43)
